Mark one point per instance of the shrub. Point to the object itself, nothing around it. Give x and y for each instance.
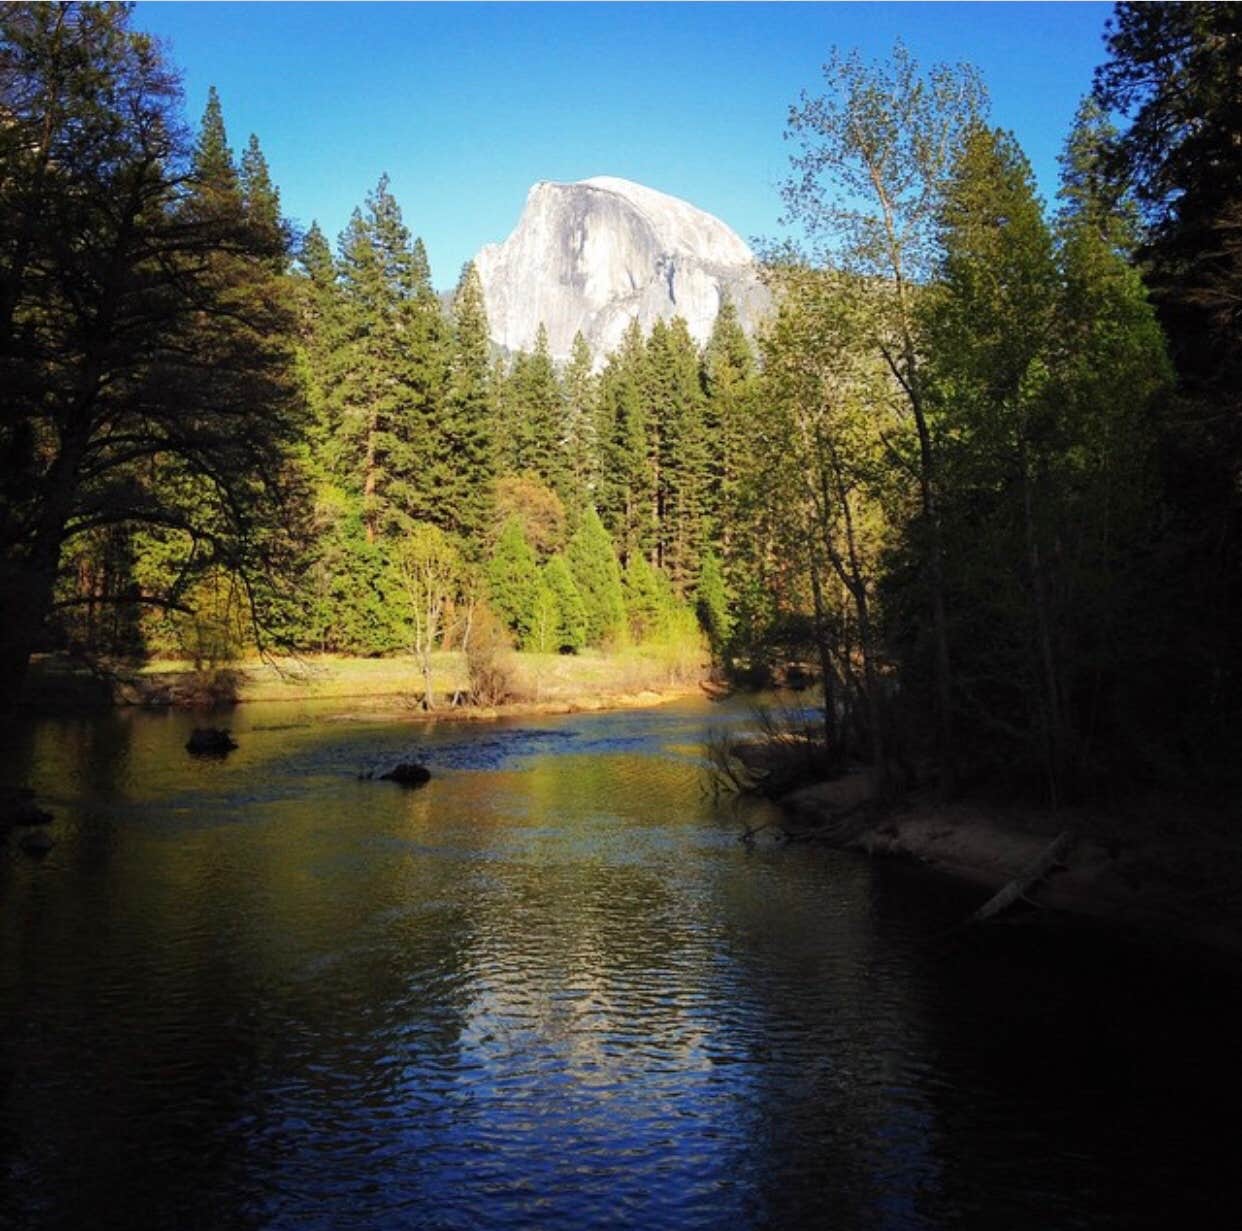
(489, 659)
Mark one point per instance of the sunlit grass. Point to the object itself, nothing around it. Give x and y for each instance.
(583, 678)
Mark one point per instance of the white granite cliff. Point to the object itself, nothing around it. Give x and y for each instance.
(592, 255)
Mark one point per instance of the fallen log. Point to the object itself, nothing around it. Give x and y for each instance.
(1050, 858)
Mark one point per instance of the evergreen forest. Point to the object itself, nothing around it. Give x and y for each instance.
(980, 474)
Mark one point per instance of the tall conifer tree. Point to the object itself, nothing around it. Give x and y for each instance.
(538, 421)
(469, 419)
(580, 392)
(682, 466)
(593, 564)
(728, 412)
(627, 484)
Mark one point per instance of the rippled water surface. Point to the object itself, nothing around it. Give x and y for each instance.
(551, 989)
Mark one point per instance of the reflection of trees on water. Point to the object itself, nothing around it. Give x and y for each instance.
(840, 1132)
(539, 988)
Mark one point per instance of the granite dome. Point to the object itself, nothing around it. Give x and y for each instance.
(595, 254)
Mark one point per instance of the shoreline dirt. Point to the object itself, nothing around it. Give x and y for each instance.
(1163, 869)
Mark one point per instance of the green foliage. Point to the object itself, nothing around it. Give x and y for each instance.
(647, 599)
(957, 479)
(513, 579)
(261, 201)
(580, 394)
(354, 596)
(729, 413)
(535, 428)
(543, 632)
(593, 564)
(429, 568)
(1173, 74)
(387, 373)
(675, 396)
(468, 422)
(627, 490)
(873, 154)
(711, 603)
(145, 338)
(212, 164)
(571, 615)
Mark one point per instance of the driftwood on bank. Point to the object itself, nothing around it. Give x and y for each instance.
(1050, 858)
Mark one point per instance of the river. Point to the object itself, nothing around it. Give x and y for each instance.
(552, 989)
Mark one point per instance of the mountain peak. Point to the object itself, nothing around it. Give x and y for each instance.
(593, 255)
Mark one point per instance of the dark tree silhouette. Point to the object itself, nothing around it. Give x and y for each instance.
(144, 362)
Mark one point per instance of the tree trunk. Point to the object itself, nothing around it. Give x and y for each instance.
(1026, 880)
(429, 697)
(849, 570)
(25, 598)
(1053, 732)
(825, 663)
(945, 753)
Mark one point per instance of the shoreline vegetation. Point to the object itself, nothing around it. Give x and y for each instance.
(538, 683)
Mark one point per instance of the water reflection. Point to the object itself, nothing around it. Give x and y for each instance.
(549, 989)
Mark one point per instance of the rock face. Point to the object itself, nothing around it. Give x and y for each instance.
(594, 255)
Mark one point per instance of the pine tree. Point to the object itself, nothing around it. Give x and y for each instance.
(538, 418)
(593, 564)
(991, 326)
(318, 300)
(645, 598)
(212, 166)
(469, 419)
(728, 416)
(363, 390)
(683, 464)
(315, 258)
(1089, 191)
(513, 579)
(261, 202)
(423, 480)
(711, 603)
(388, 372)
(579, 394)
(627, 486)
(1173, 76)
(571, 611)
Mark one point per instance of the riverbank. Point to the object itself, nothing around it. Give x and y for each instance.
(1161, 866)
(539, 683)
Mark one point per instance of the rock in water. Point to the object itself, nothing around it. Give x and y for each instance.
(36, 842)
(408, 773)
(210, 741)
(18, 807)
(594, 255)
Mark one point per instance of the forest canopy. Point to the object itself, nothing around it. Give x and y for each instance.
(980, 471)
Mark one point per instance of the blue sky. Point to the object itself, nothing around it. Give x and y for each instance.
(467, 105)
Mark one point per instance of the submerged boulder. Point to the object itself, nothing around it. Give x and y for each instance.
(19, 808)
(210, 741)
(408, 773)
(36, 842)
